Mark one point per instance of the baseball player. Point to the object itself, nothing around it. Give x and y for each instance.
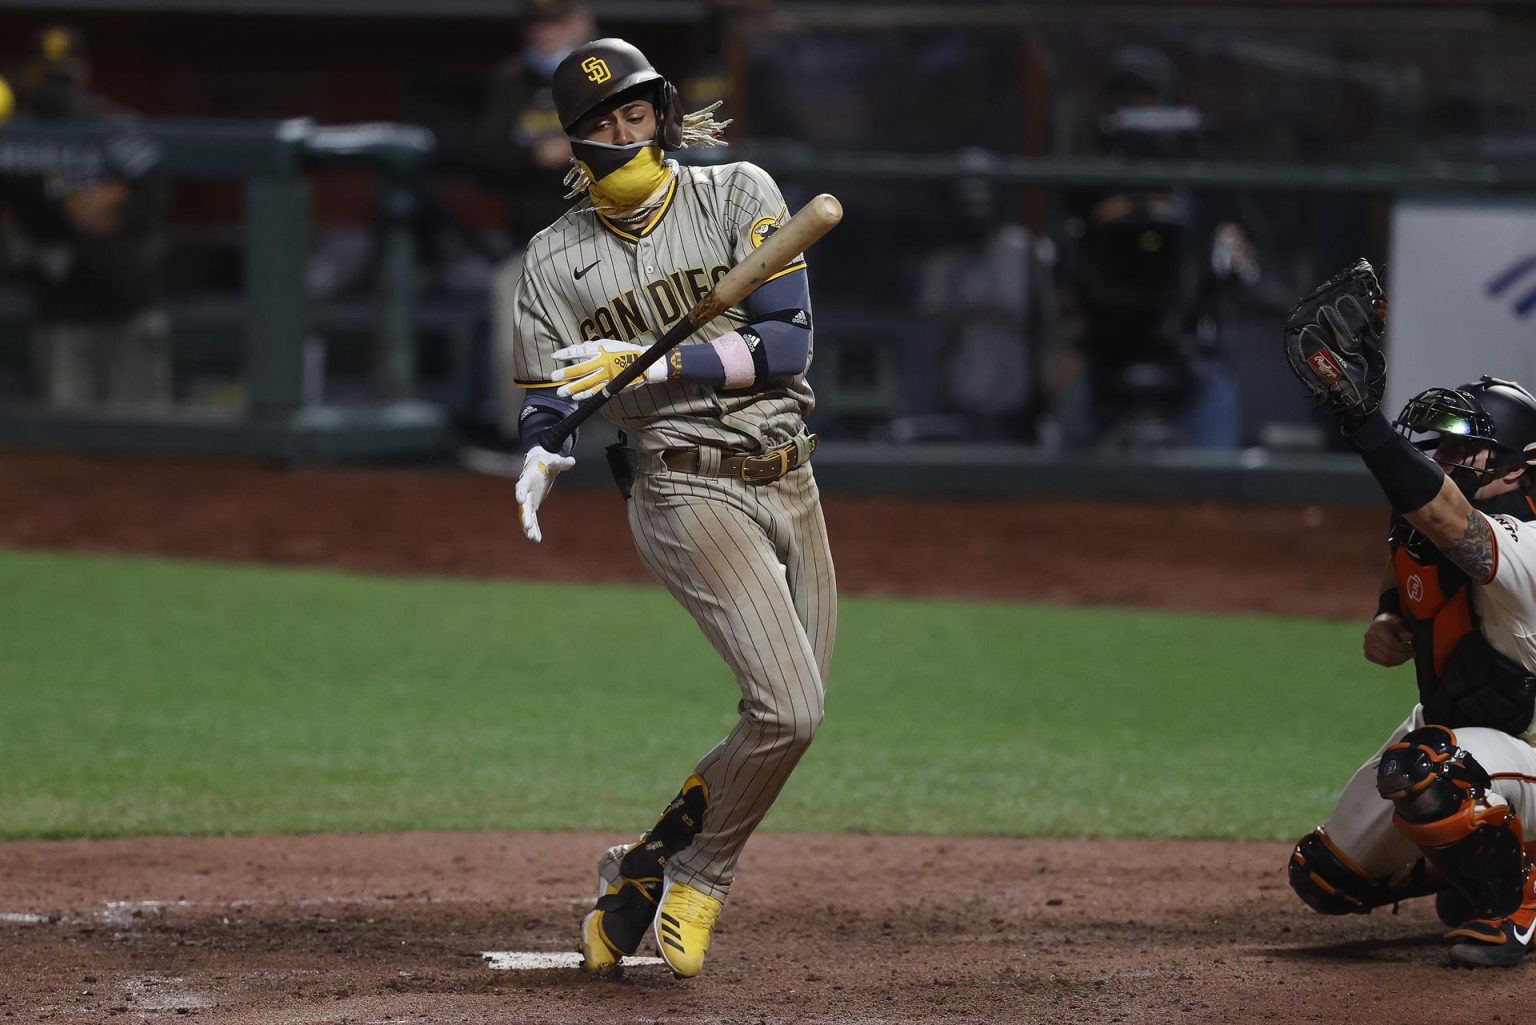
(1448, 805)
(722, 502)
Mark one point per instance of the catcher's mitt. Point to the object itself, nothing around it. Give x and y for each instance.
(1333, 341)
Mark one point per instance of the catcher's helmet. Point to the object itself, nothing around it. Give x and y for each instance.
(604, 71)
(1498, 413)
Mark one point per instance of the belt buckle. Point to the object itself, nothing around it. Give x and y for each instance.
(779, 456)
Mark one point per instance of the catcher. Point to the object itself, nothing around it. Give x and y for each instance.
(1448, 805)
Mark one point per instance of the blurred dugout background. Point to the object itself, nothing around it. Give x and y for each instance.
(1072, 229)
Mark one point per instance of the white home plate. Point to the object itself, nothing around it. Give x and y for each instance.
(22, 917)
(530, 960)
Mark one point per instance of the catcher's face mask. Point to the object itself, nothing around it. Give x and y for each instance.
(1462, 436)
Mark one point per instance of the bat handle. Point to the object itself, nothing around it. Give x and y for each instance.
(553, 437)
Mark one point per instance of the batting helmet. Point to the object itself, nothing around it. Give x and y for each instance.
(1495, 412)
(602, 73)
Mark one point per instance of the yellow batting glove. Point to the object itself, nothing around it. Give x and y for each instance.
(594, 364)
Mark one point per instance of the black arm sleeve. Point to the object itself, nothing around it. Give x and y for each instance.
(1408, 477)
(540, 412)
(780, 314)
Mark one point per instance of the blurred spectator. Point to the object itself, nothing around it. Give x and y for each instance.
(989, 361)
(89, 236)
(524, 148)
(522, 153)
(947, 87)
(1146, 269)
(497, 132)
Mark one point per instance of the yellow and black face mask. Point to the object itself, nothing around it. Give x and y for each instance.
(623, 177)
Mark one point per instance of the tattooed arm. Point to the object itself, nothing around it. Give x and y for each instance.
(1458, 530)
(1474, 548)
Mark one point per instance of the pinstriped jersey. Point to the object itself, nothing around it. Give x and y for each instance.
(587, 277)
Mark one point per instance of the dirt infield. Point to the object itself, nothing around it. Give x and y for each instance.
(820, 929)
(836, 928)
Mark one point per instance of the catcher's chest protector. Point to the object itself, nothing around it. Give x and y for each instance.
(1462, 680)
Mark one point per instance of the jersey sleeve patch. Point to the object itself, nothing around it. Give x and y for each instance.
(763, 229)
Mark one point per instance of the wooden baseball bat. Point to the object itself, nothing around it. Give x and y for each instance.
(814, 220)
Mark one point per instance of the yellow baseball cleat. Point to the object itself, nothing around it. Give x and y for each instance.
(629, 885)
(684, 922)
(598, 956)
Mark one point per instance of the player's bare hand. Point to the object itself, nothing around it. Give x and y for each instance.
(540, 468)
(1388, 641)
(594, 364)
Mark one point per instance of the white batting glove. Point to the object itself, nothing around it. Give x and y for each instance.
(540, 468)
(594, 364)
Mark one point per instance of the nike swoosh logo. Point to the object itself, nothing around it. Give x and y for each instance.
(1525, 937)
(588, 267)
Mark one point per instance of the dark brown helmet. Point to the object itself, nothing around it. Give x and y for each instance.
(596, 74)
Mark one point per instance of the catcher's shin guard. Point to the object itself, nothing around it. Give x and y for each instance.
(1445, 804)
(623, 916)
(1330, 883)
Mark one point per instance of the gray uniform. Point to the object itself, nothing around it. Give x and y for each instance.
(750, 563)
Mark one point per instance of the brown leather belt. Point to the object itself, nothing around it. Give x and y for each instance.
(764, 468)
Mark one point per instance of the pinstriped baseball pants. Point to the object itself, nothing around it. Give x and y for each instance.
(752, 566)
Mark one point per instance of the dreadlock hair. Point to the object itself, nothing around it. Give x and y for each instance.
(699, 129)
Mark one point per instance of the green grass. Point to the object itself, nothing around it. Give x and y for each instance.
(152, 696)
